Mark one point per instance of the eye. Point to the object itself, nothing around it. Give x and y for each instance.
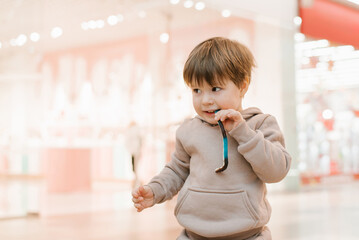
(196, 90)
(216, 89)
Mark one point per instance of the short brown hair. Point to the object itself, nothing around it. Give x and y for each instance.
(217, 59)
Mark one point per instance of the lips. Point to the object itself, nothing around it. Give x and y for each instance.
(211, 111)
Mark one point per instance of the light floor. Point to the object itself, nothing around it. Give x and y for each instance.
(327, 211)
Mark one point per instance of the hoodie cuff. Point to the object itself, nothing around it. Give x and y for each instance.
(157, 192)
(242, 133)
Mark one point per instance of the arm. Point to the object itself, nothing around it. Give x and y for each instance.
(168, 182)
(171, 179)
(263, 149)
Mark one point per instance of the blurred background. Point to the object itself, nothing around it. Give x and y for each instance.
(87, 88)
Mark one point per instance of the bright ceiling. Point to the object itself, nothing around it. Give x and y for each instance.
(139, 17)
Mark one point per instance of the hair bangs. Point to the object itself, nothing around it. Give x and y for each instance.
(217, 60)
(206, 70)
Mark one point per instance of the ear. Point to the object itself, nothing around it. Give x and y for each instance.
(244, 87)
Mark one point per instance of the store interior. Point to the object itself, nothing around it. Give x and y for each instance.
(82, 83)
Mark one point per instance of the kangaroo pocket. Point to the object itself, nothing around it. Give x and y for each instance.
(213, 213)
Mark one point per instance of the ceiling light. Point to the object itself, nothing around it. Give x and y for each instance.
(188, 4)
(174, 2)
(164, 37)
(299, 37)
(0, 45)
(297, 20)
(112, 20)
(21, 39)
(200, 6)
(85, 25)
(226, 13)
(56, 32)
(100, 23)
(34, 37)
(92, 24)
(327, 114)
(354, 1)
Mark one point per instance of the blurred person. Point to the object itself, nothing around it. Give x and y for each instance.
(134, 146)
(228, 202)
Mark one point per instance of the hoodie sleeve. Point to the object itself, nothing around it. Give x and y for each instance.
(264, 149)
(172, 177)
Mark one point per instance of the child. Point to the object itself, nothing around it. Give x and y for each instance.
(228, 202)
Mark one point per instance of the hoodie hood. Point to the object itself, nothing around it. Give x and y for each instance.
(250, 112)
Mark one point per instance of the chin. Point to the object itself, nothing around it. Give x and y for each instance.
(211, 121)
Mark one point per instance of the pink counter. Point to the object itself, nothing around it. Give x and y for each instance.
(67, 169)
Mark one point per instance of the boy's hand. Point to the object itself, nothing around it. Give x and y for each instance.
(142, 198)
(230, 118)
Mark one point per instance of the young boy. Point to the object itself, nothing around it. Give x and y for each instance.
(228, 202)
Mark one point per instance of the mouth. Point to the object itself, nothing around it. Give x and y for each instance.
(211, 112)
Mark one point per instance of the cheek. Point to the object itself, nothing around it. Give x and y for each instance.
(229, 102)
(195, 101)
(223, 99)
(196, 97)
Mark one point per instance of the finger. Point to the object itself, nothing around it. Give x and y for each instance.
(224, 115)
(139, 207)
(142, 191)
(233, 115)
(137, 200)
(218, 115)
(135, 193)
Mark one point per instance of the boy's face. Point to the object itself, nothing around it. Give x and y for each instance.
(207, 99)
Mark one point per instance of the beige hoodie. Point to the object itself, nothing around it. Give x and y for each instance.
(231, 202)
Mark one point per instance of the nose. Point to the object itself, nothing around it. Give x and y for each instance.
(207, 99)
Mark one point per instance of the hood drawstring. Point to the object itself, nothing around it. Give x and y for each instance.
(225, 148)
